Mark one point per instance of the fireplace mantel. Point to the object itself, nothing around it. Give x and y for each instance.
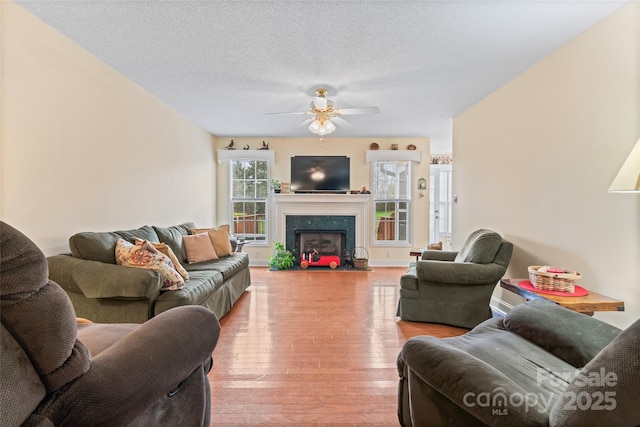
(356, 205)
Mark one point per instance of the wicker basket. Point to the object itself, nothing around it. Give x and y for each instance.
(548, 281)
(360, 258)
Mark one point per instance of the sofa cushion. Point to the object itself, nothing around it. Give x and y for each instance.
(227, 266)
(144, 255)
(605, 390)
(480, 247)
(219, 238)
(100, 246)
(172, 236)
(199, 248)
(569, 335)
(200, 286)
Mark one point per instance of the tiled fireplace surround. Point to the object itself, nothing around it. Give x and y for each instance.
(349, 212)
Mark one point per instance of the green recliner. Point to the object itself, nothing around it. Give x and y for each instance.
(455, 287)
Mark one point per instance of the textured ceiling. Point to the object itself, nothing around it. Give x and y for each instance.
(225, 64)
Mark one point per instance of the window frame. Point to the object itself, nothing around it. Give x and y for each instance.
(397, 200)
(266, 199)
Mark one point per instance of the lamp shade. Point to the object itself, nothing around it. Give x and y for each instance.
(628, 178)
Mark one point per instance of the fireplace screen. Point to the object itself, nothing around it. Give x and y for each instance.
(324, 242)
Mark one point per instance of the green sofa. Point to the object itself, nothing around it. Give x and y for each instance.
(105, 292)
(540, 365)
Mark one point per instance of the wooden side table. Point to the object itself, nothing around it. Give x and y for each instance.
(416, 253)
(587, 304)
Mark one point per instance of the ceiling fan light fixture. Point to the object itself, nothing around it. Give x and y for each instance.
(329, 126)
(322, 112)
(315, 126)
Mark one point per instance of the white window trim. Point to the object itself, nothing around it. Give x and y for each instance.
(226, 155)
(394, 155)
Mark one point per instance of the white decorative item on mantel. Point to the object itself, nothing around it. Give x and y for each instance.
(224, 155)
(410, 155)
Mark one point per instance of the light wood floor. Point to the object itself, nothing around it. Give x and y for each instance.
(311, 348)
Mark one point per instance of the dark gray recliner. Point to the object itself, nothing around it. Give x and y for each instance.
(455, 287)
(55, 372)
(540, 365)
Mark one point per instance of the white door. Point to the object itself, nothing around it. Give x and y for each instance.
(440, 198)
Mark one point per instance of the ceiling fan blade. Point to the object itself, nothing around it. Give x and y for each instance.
(361, 110)
(339, 121)
(307, 121)
(302, 112)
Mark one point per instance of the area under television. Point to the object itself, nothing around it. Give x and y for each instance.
(320, 174)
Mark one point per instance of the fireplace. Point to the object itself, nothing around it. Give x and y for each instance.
(324, 227)
(321, 212)
(320, 243)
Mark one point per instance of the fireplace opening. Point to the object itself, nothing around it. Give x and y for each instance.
(319, 243)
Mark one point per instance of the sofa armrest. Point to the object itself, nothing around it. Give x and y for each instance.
(465, 380)
(439, 255)
(95, 279)
(139, 369)
(569, 335)
(460, 273)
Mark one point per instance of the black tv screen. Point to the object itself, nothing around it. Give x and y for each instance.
(320, 174)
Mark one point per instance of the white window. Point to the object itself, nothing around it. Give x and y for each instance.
(391, 191)
(249, 199)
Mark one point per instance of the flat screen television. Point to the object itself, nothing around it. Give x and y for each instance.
(320, 174)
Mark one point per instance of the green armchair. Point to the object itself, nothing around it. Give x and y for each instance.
(455, 287)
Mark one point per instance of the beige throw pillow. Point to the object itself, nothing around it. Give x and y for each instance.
(163, 248)
(199, 248)
(219, 238)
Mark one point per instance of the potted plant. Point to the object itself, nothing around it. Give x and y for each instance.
(275, 185)
(282, 259)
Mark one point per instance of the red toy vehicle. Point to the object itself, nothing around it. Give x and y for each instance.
(314, 259)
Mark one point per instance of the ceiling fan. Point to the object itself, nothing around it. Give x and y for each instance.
(323, 116)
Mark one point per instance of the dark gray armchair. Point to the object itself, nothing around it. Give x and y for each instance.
(541, 365)
(455, 287)
(56, 372)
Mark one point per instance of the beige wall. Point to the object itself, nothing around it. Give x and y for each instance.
(84, 148)
(355, 149)
(534, 161)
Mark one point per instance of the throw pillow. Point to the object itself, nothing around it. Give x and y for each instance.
(199, 248)
(219, 238)
(144, 255)
(172, 236)
(165, 249)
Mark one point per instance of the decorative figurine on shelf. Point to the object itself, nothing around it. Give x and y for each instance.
(265, 146)
(230, 146)
(246, 147)
(365, 191)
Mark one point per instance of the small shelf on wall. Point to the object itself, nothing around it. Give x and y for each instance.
(225, 155)
(410, 155)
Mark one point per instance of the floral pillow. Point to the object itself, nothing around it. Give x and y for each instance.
(144, 255)
(166, 249)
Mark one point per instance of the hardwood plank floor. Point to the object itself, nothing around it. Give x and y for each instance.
(311, 348)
